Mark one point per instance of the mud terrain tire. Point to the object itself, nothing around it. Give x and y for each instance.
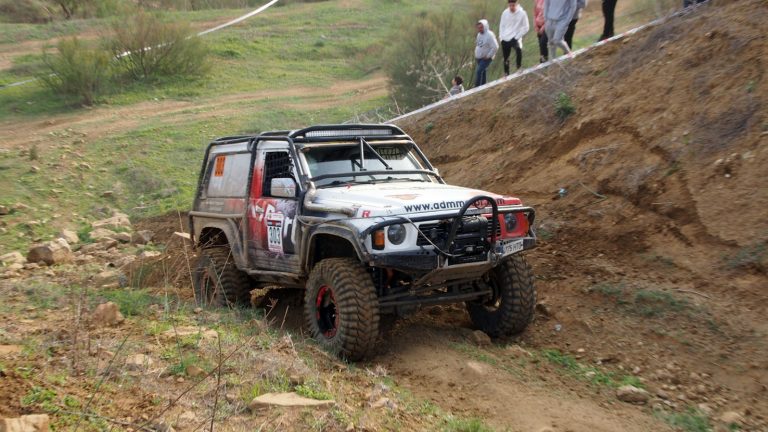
(341, 309)
(513, 310)
(218, 282)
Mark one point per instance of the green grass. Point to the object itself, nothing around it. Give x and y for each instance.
(649, 303)
(456, 424)
(593, 375)
(691, 420)
(313, 390)
(130, 302)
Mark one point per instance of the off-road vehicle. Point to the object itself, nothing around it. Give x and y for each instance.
(357, 217)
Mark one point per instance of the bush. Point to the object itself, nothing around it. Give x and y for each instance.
(428, 52)
(28, 11)
(429, 49)
(157, 49)
(77, 70)
(564, 106)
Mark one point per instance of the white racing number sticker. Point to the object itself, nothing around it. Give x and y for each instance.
(513, 247)
(275, 232)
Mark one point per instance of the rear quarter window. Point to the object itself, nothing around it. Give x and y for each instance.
(227, 175)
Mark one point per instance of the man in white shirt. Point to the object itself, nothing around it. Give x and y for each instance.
(512, 28)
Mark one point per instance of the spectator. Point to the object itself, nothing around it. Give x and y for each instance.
(457, 83)
(609, 7)
(580, 5)
(513, 26)
(485, 49)
(557, 17)
(538, 25)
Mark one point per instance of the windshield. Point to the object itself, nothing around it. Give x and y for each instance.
(344, 159)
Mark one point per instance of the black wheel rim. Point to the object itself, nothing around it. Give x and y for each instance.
(326, 313)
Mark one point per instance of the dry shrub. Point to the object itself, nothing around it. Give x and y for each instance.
(77, 70)
(157, 49)
(27, 11)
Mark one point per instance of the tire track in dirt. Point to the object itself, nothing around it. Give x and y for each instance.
(104, 121)
(420, 355)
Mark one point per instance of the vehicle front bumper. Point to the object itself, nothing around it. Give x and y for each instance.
(426, 259)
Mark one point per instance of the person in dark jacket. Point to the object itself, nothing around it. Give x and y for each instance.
(609, 7)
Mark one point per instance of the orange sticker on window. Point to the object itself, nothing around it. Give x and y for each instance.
(219, 170)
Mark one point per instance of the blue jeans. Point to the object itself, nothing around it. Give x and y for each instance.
(482, 68)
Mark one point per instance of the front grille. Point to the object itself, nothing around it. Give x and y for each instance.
(438, 231)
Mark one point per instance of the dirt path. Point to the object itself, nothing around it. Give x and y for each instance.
(104, 120)
(421, 358)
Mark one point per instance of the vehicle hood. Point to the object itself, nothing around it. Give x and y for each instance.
(402, 198)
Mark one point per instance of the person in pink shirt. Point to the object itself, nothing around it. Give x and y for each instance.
(538, 25)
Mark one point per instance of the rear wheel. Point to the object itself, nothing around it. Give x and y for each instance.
(341, 309)
(510, 308)
(218, 282)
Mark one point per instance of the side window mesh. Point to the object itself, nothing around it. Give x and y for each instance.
(276, 165)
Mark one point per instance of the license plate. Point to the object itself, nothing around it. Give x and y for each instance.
(513, 247)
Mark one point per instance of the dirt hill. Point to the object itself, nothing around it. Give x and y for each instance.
(655, 253)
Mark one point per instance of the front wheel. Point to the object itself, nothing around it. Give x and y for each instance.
(510, 308)
(341, 309)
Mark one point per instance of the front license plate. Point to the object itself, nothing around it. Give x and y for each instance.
(513, 247)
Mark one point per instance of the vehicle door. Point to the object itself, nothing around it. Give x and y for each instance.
(272, 210)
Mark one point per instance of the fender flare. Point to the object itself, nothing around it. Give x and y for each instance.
(231, 231)
(347, 233)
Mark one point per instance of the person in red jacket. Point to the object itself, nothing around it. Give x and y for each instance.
(538, 25)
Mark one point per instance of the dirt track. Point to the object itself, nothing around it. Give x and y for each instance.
(105, 121)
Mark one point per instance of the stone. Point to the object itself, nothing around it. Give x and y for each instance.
(26, 423)
(98, 246)
(4, 210)
(70, 236)
(142, 237)
(187, 418)
(118, 220)
(56, 251)
(123, 237)
(123, 261)
(544, 309)
(182, 235)
(195, 371)
(731, 417)
(7, 350)
(14, 267)
(268, 400)
(107, 314)
(138, 362)
(184, 331)
(480, 338)
(102, 233)
(13, 258)
(149, 254)
(632, 394)
(106, 277)
(384, 403)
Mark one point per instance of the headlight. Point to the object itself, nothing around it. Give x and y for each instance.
(510, 221)
(396, 234)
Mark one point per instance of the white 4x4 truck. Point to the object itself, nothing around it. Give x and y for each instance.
(358, 217)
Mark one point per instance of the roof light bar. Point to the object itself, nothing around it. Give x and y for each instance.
(347, 132)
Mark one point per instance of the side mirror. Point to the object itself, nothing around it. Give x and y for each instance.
(283, 187)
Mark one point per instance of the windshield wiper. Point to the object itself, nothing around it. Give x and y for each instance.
(388, 179)
(346, 182)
